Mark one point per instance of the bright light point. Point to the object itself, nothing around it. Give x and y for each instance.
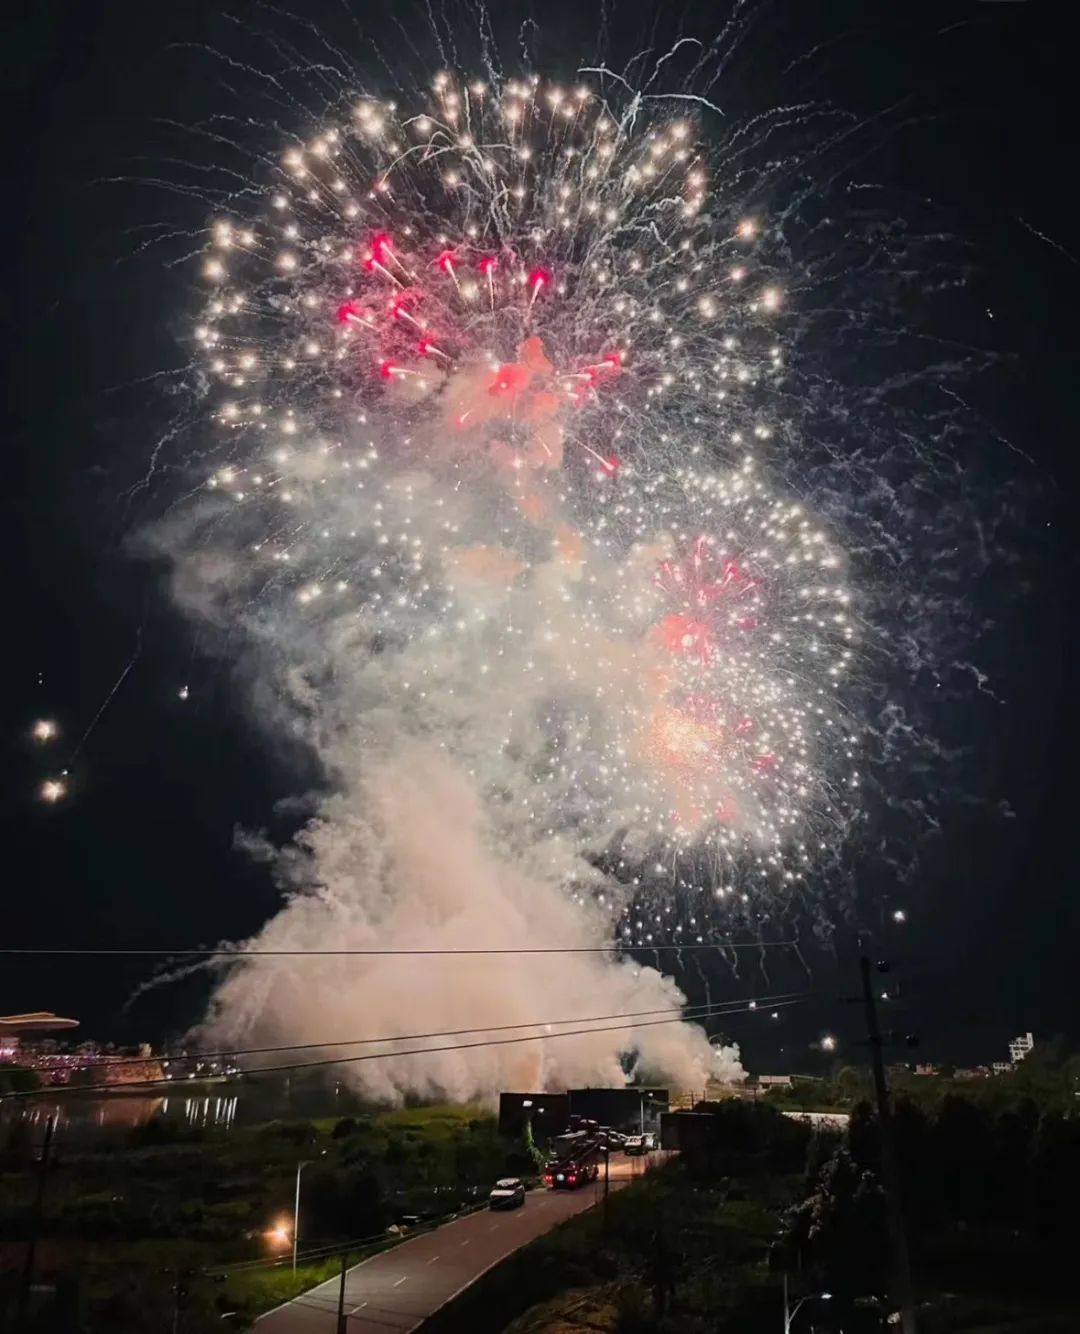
(771, 298)
(53, 790)
(899, 915)
(828, 1043)
(183, 692)
(747, 229)
(45, 730)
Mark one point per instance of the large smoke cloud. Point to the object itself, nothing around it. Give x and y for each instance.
(398, 859)
(476, 685)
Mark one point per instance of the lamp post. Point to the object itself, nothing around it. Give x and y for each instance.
(653, 1104)
(296, 1207)
(791, 1312)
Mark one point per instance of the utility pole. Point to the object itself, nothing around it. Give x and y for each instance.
(607, 1181)
(890, 1170)
(181, 1293)
(35, 1227)
(341, 1295)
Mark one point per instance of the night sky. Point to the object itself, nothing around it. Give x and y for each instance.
(142, 852)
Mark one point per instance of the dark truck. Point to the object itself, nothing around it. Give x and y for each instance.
(576, 1161)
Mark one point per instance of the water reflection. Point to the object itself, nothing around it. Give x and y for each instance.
(77, 1117)
(84, 1117)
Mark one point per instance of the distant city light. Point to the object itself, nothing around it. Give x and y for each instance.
(899, 915)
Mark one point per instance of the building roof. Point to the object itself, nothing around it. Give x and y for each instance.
(38, 1021)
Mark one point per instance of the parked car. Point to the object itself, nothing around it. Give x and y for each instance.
(509, 1193)
(649, 1138)
(635, 1144)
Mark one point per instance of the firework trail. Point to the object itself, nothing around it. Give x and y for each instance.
(506, 508)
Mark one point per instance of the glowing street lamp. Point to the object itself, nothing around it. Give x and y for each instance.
(790, 1312)
(296, 1207)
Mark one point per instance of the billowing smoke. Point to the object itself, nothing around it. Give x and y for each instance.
(398, 859)
(482, 689)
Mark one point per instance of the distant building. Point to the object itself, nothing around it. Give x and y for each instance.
(1001, 1067)
(548, 1114)
(37, 1021)
(87, 1063)
(1019, 1047)
(127, 1069)
(927, 1068)
(687, 1130)
(627, 1109)
(774, 1081)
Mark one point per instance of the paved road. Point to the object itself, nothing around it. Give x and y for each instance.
(403, 1286)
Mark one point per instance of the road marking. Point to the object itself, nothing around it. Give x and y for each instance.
(494, 1227)
(466, 1241)
(433, 1259)
(358, 1308)
(401, 1280)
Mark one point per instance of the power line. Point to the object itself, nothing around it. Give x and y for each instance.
(368, 1056)
(688, 1012)
(376, 953)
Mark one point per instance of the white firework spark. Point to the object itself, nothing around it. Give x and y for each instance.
(492, 375)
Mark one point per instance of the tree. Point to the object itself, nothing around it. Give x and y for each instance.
(1056, 1181)
(863, 1142)
(920, 1166)
(850, 1084)
(839, 1229)
(1013, 1137)
(342, 1203)
(965, 1152)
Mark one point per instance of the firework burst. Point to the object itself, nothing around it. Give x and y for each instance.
(492, 376)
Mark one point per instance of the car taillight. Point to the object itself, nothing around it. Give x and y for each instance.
(572, 1178)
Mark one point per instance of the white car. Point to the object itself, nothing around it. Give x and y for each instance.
(634, 1144)
(509, 1193)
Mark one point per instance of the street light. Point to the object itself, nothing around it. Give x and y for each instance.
(296, 1207)
(791, 1312)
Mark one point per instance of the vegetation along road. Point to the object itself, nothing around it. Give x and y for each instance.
(398, 1289)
